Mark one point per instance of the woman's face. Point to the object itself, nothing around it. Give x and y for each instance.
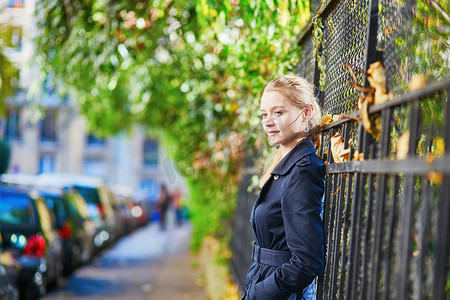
(282, 121)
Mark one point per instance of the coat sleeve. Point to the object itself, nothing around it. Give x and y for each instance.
(301, 206)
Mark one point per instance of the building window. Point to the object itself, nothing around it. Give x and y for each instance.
(46, 163)
(48, 126)
(12, 125)
(94, 167)
(93, 140)
(15, 3)
(150, 152)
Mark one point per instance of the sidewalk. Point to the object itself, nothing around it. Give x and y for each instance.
(148, 264)
(178, 278)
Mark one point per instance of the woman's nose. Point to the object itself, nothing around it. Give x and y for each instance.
(269, 122)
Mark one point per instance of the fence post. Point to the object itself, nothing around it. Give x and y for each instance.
(442, 255)
(373, 54)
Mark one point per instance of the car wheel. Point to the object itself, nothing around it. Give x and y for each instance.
(37, 288)
(76, 256)
(58, 274)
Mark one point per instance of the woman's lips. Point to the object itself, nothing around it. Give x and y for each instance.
(272, 132)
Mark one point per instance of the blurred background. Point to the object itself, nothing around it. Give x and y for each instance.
(129, 132)
(114, 113)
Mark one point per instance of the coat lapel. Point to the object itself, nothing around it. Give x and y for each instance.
(258, 200)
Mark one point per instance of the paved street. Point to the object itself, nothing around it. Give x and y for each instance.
(148, 264)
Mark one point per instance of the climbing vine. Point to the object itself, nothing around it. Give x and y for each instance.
(192, 70)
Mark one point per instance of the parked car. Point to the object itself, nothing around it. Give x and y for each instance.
(28, 229)
(100, 202)
(76, 230)
(93, 191)
(9, 270)
(124, 200)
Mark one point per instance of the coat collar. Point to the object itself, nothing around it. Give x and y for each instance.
(298, 152)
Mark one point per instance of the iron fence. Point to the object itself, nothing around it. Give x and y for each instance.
(386, 219)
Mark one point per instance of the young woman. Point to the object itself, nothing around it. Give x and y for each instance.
(286, 218)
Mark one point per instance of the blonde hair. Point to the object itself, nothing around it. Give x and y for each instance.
(300, 93)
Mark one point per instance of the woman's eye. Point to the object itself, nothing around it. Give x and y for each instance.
(278, 113)
(263, 116)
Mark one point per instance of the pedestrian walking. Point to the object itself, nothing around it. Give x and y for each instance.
(176, 201)
(164, 200)
(286, 218)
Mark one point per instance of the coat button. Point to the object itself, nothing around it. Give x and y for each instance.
(276, 177)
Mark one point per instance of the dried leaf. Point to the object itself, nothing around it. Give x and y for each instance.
(358, 156)
(403, 145)
(434, 177)
(438, 146)
(360, 102)
(334, 194)
(377, 80)
(417, 82)
(429, 158)
(200, 282)
(327, 119)
(376, 127)
(340, 154)
(375, 95)
(364, 115)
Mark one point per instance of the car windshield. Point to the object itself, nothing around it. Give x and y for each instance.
(89, 194)
(16, 210)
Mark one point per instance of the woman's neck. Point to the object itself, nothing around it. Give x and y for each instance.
(285, 149)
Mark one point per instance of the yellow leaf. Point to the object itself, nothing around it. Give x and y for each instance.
(377, 80)
(438, 146)
(364, 114)
(376, 130)
(360, 102)
(334, 194)
(429, 158)
(403, 145)
(340, 154)
(434, 177)
(417, 82)
(200, 282)
(358, 156)
(327, 119)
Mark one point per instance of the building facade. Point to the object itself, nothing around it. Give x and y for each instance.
(55, 139)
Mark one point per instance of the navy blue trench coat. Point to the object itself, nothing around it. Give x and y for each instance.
(287, 226)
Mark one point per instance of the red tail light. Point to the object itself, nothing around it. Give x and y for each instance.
(35, 246)
(65, 232)
(100, 210)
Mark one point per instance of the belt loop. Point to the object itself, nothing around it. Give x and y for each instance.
(258, 253)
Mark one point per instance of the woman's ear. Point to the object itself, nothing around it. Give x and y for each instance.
(308, 111)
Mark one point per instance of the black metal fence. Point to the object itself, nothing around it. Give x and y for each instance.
(386, 219)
